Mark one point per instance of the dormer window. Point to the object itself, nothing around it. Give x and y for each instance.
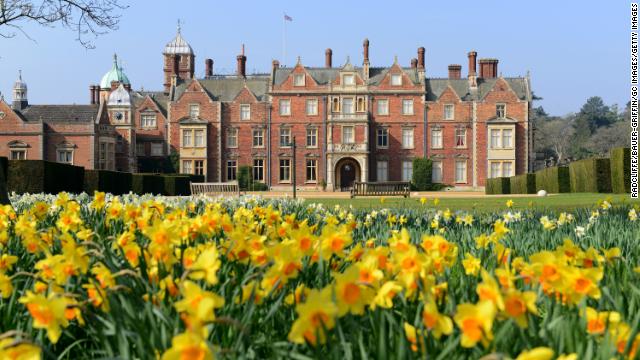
(194, 111)
(396, 79)
(298, 80)
(348, 80)
(501, 111)
(245, 112)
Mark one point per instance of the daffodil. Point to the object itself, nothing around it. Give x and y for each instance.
(47, 312)
(315, 315)
(475, 323)
(188, 345)
(539, 353)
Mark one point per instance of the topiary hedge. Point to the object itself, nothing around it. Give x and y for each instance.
(176, 185)
(554, 180)
(590, 175)
(523, 184)
(38, 176)
(147, 184)
(620, 161)
(501, 185)
(421, 178)
(108, 181)
(4, 168)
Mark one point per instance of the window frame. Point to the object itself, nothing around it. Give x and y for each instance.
(144, 116)
(455, 172)
(504, 111)
(353, 134)
(313, 131)
(245, 116)
(315, 107)
(412, 132)
(65, 150)
(379, 170)
(394, 77)
(314, 170)
(281, 103)
(462, 136)
(352, 106)
(280, 170)
(407, 165)
(184, 143)
(254, 137)
(408, 101)
(195, 137)
(254, 167)
(297, 77)
(232, 133)
(232, 170)
(451, 115)
(161, 147)
(194, 114)
(382, 132)
(280, 136)
(439, 165)
(350, 76)
(386, 107)
(441, 137)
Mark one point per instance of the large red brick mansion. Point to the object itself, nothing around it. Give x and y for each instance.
(361, 123)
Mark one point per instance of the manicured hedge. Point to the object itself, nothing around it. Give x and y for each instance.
(38, 176)
(4, 167)
(523, 184)
(590, 175)
(147, 184)
(553, 180)
(421, 178)
(620, 159)
(113, 182)
(176, 185)
(500, 185)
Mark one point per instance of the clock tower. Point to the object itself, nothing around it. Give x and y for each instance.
(121, 115)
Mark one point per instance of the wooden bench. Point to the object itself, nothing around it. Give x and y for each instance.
(214, 189)
(387, 188)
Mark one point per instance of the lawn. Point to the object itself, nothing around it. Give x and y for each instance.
(555, 203)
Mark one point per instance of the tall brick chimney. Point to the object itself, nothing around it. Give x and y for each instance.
(455, 71)
(92, 94)
(421, 57)
(365, 50)
(208, 68)
(242, 63)
(414, 63)
(472, 63)
(488, 68)
(327, 58)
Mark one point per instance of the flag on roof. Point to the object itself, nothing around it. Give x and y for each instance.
(288, 18)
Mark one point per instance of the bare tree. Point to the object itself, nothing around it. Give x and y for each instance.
(84, 17)
(556, 135)
(608, 137)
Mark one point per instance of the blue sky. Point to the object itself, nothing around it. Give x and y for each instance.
(573, 49)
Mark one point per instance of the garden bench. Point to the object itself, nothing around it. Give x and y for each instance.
(387, 188)
(214, 189)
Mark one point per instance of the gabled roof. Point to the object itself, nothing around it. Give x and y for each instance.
(324, 76)
(60, 113)
(435, 88)
(226, 88)
(158, 97)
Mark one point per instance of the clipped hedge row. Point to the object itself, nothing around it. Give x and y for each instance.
(554, 180)
(36, 176)
(114, 182)
(590, 175)
(501, 185)
(620, 160)
(4, 168)
(523, 184)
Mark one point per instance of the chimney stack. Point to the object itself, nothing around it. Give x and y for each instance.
(472, 63)
(208, 68)
(421, 57)
(275, 64)
(242, 63)
(365, 50)
(327, 58)
(488, 68)
(92, 94)
(414, 63)
(455, 71)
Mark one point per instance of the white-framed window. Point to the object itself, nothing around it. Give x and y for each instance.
(436, 138)
(194, 111)
(407, 138)
(396, 79)
(382, 137)
(448, 111)
(157, 149)
(258, 138)
(258, 169)
(461, 171)
(506, 169)
(383, 107)
(298, 80)
(461, 137)
(232, 137)
(285, 107)
(494, 167)
(348, 80)
(312, 170)
(495, 138)
(407, 170)
(436, 171)
(148, 120)
(285, 137)
(140, 149)
(501, 111)
(347, 135)
(198, 166)
(500, 168)
(65, 156)
(187, 167)
(382, 170)
(360, 106)
(285, 170)
(407, 107)
(232, 170)
(245, 111)
(347, 105)
(507, 136)
(312, 137)
(198, 138)
(312, 106)
(187, 138)
(18, 154)
(501, 138)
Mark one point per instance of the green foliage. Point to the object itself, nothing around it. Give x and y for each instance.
(147, 184)
(36, 176)
(422, 168)
(590, 175)
(621, 170)
(523, 184)
(113, 182)
(553, 180)
(176, 185)
(500, 185)
(4, 168)
(244, 177)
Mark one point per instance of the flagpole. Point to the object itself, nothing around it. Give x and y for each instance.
(284, 39)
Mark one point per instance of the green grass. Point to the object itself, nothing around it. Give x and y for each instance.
(559, 202)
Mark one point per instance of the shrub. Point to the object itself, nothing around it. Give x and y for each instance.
(36, 176)
(523, 184)
(113, 182)
(176, 185)
(422, 174)
(4, 167)
(620, 170)
(553, 180)
(244, 177)
(147, 184)
(499, 185)
(591, 175)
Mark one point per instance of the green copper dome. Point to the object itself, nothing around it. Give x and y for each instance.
(115, 74)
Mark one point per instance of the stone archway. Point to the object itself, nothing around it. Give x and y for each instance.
(347, 171)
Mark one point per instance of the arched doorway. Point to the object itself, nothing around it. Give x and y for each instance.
(347, 171)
